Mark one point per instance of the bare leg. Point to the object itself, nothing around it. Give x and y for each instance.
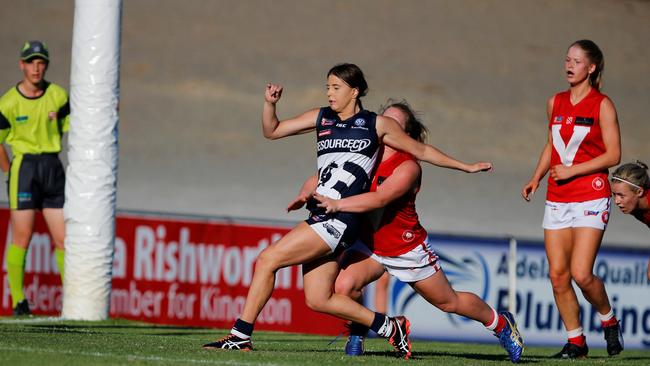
(586, 242)
(319, 278)
(381, 293)
(358, 271)
(559, 248)
(438, 292)
(56, 224)
(300, 245)
(22, 227)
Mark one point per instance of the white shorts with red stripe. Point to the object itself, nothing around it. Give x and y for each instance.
(416, 265)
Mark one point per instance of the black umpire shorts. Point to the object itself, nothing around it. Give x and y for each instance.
(36, 181)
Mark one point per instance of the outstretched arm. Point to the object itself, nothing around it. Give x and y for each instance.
(273, 128)
(392, 135)
(402, 180)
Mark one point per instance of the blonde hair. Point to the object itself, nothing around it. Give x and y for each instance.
(634, 174)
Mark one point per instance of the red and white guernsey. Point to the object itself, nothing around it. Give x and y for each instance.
(399, 229)
(576, 139)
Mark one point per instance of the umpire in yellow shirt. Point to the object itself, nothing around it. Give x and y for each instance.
(34, 114)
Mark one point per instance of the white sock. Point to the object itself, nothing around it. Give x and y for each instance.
(495, 321)
(575, 333)
(606, 317)
(239, 334)
(386, 329)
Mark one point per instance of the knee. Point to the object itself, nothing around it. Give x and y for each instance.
(267, 261)
(584, 279)
(316, 303)
(347, 287)
(448, 304)
(561, 280)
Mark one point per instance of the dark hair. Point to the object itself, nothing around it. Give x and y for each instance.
(595, 56)
(413, 126)
(635, 173)
(352, 75)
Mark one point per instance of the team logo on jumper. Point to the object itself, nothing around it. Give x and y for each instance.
(408, 236)
(558, 119)
(598, 183)
(324, 133)
(354, 145)
(590, 213)
(605, 217)
(332, 230)
(327, 122)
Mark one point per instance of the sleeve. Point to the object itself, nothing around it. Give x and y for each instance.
(5, 127)
(64, 117)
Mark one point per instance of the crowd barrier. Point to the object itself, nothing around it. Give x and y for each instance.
(195, 271)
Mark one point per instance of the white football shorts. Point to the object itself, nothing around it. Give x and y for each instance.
(418, 264)
(562, 215)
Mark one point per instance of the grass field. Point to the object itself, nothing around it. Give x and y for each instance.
(47, 341)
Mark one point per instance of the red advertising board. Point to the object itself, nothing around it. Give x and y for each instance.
(176, 271)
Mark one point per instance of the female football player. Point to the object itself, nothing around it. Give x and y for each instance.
(348, 141)
(583, 142)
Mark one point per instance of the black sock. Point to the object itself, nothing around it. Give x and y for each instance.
(378, 322)
(357, 329)
(243, 327)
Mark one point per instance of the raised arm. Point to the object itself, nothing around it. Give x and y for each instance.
(391, 134)
(273, 128)
(403, 179)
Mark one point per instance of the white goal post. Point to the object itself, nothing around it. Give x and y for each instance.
(91, 176)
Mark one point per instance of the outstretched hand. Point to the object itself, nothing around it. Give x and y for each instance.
(480, 166)
(297, 202)
(273, 93)
(330, 205)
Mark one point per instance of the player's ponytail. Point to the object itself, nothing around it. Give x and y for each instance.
(595, 56)
(414, 127)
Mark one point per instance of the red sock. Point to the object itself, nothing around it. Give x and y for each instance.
(501, 323)
(579, 340)
(609, 323)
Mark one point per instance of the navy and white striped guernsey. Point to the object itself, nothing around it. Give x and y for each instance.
(347, 153)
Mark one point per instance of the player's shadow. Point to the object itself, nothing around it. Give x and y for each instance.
(468, 355)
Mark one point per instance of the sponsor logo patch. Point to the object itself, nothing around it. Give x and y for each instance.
(558, 119)
(590, 213)
(332, 230)
(343, 125)
(569, 120)
(360, 122)
(584, 121)
(324, 133)
(21, 119)
(327, 122)
(24, 196)
(353, 145)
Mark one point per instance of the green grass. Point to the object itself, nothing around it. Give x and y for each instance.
(43, 341)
